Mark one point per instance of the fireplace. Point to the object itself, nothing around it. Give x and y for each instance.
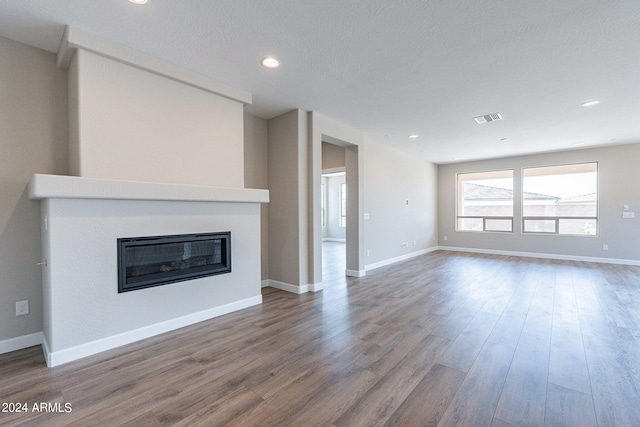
(149, 261)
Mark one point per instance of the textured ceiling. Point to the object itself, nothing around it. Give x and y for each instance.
(394, 68)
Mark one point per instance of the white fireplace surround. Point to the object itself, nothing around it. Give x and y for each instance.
(83, 313)
(183, 173)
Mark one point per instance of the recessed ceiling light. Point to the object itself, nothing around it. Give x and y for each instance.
(456, 158)
(413, 136)
(138, 1)
(579, 144)
(590, 103)
(270, 62)
(504, 139)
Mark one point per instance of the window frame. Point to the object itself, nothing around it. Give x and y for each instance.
(483, 217)
(557, 218)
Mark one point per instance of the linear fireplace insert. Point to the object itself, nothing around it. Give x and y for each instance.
(158, 260)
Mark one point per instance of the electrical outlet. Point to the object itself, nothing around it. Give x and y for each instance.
(368, 252)
(415, 242)
(445, 238)
(22, 307)
(605, 247)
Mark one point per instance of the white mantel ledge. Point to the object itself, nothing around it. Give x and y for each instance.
(73, 187)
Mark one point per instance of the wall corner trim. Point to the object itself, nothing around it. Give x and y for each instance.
(74, 39)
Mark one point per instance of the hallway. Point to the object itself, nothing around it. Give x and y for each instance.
(334, 264)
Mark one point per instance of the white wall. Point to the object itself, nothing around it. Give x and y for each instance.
(392, 178)
(133, 123)
(617, 169)
(136, 125)
(82, 305)
(33, 139)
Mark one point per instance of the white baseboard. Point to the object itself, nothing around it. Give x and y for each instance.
(288, 287)
(542, 255)
(264, 283)
(55, 358)
(18, 343)
(399, 258)
(355, 273)
(315, 287)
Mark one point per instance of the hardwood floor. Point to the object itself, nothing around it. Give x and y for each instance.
(334, 263)
(446, 339)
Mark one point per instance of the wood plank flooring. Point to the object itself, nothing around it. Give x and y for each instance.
(444, 339)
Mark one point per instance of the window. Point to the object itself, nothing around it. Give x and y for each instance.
(485, 201)
(343, 205)
(560, 199)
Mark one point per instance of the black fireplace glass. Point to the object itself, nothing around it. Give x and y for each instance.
(157, 260)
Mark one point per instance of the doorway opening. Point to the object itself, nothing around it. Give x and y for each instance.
(326, 135)
(333, 206)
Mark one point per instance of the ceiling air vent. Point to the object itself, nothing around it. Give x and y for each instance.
(488, 118)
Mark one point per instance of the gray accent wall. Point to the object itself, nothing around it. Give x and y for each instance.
(33, 139)
(333, 156)
(617, 169)
(287, 154)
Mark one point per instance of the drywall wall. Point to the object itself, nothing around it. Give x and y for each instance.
(324, 129)
(135, 125)
(287, 156)
(617, 169)
(83, 311)
(33, 139)
(333, 156)
(401, 200)
(256, 175)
